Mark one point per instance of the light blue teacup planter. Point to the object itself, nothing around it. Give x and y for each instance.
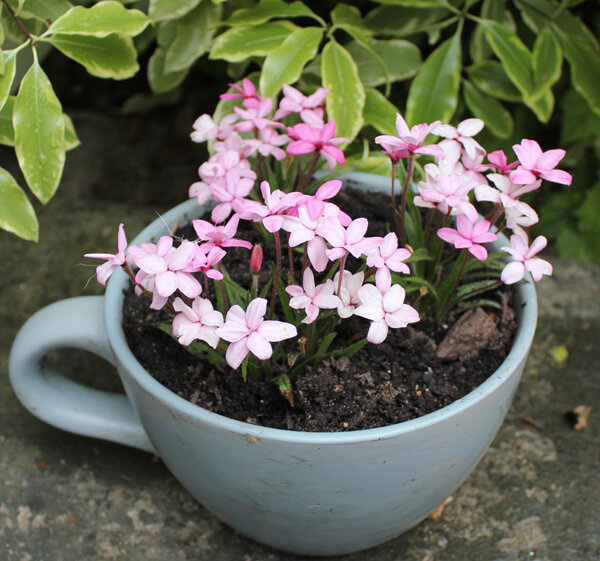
(307, 493)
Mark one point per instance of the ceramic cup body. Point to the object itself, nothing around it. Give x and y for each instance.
(307, 493)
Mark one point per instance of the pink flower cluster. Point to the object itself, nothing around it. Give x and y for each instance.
(227, 176)
(457, 174)
(345, 272)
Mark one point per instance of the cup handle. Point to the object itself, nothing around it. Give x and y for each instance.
(53, 398)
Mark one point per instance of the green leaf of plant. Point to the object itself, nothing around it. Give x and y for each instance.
(39, 133)
(284, 64)
(16, 212)
(547, 60)
(346, 98)
(240, 43)
(44, 10)
(266, 10)
(492, 10)
(402, 59)
(413, 3)
(379, 112)
(397, 21)
(113, 56)
(7, 131)
(513, 54)
(100, 20)
(490, 110)
(345, 15)
(160, 10)
(6, 79)
(433, 93)
(193, 37)
(585, 69)
(71, 139)
(579, 124)
(159, 79)
(491, 79)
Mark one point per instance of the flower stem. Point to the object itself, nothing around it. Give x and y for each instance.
(291, 260)
(277, 273)
(393, 197)
(409, 172)
(341, 274)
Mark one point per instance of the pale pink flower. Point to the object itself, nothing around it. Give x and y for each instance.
(247, 93)
(231, 197)
(304, 229)
(387, 257)
(205, 258)
(384, 311)
(307, 139)
(463, 134)
(233, 150)
(499, 161)
(163, 270)
(196, 323)
(310, 108)
(312, 298)
(517, 221)
(249, 332)
(469, 235)
(113, 262)
(222, 236)
(318, 204)
(347, 240)
(269, 143)
(523, 260)
(271, 213)
(535, 164)
(409, 141)
(256, 117)
(507, 193)
(447, 193)
(348, 294)
(204, 129)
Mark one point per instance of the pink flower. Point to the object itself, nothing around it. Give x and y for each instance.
(469, 235)
(388, 257)
(463, 134)
(249, 332)
(269, 143)
(199, 322)
(384, 311)
(409, 141)
(507, 194)
(310, 108)
(271, 213)
(205, 258)
(312, 298)
(247, 93)
(523, 260)
(303, 229)
(306, 139)
(162, 270)
(256, 117)
(446, 193)
(318, 206)
(113, 262)
(535, 163)
(231, 197)
(351, 284)
(221, 236)
(347, 240)
(498, 159)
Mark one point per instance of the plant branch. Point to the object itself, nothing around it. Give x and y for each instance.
(19, 22)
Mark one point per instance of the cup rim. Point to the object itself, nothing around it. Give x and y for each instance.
(527, 318)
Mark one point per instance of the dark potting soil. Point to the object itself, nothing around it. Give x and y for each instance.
(415, 371)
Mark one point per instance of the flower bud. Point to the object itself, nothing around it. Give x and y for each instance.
(256, 258)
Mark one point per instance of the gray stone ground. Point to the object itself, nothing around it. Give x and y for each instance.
(535, 495)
